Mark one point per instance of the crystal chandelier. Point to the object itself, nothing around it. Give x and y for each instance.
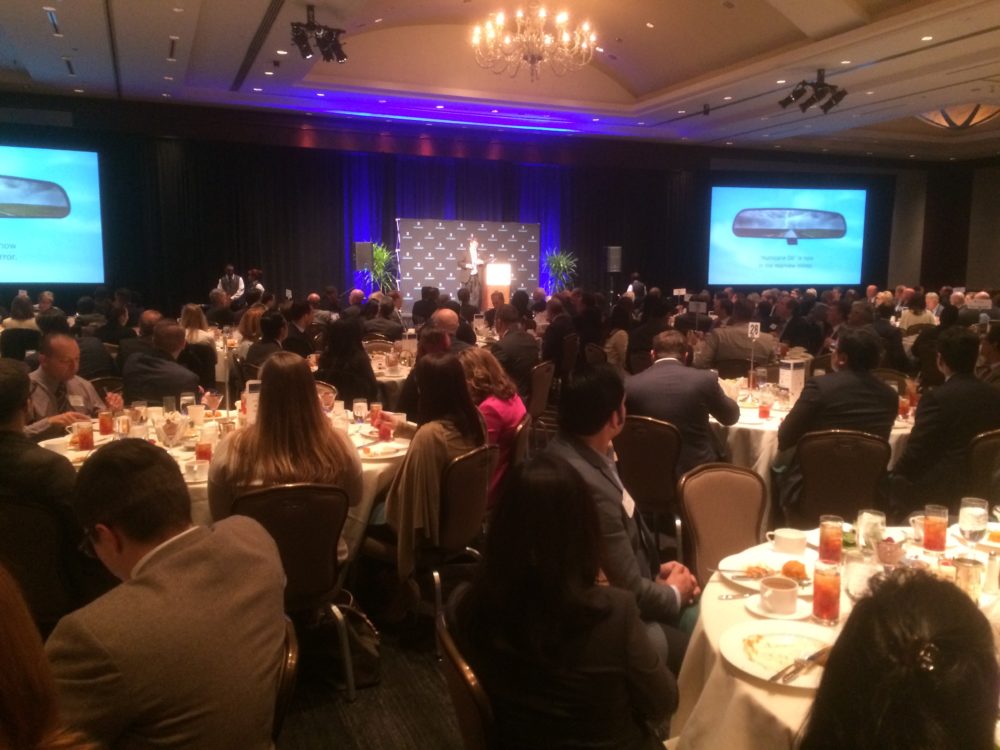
(503, 49)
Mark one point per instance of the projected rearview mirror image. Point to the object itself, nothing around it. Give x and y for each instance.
(23, 198)
(789, 224)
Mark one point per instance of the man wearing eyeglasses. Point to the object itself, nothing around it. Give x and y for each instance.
(186, 651)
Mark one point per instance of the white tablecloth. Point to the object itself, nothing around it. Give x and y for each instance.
(390, 386)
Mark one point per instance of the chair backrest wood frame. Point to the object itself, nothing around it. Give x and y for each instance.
(541, 382)
(647, 451)
(984, 465)
(723, 506)
(732, 368)
(472, 705)
(891, 376)
(522, 439)
(286, 679)
(375, 346)
(464, 486)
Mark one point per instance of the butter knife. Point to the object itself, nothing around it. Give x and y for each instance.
(803, 665)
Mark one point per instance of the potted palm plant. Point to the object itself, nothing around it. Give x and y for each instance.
(382, 274)
(561, 267)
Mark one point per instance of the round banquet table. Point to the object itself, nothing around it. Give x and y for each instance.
(391, 385)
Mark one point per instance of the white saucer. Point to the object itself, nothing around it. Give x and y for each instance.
(803, 609)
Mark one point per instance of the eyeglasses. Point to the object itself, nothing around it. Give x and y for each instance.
(86, 545)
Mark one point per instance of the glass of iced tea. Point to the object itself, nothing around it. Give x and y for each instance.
(826, 592)
(106, 422)
(203, 450)
(831, 538)
(82, 433)
(904, 407)
(935, 527)
(765, 401)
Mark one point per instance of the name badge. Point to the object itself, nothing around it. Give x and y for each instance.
(628, 503)
(76, 401)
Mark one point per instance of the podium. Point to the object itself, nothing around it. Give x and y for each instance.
(496, 278)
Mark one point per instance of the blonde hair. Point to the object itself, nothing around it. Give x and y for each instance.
(29, 717)
(193, 319)
(292, 440)
(250, 322)
(484, 375)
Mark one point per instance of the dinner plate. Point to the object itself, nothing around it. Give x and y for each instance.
(747, 419)
(731, 568)
(760, 648)
(802, 609)
(61, 444)
(383, 450)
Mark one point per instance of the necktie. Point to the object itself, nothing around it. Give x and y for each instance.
(62, 402)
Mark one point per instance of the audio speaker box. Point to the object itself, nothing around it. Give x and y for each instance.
(362, 255)
(614, 253)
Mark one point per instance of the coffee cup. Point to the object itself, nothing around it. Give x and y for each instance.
(917, 524)
(779, 595)
(154, 413)
(196, 413)
(789, 541)
(196, 471)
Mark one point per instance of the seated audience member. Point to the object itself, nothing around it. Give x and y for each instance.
(272, 331)
(850, 398)
(932, 301)
(220, 311)
(559, 325)
(143, 342)
(47, 302)
(59, 396)
(616, 344)
(797, 330)
(424, 307)
(43, 480)
(153, 376)
(397, 307)
(297, 339)
(255, 279)
(369, 310)
(449, 427)
(29, 715)
(732, 342)
(249, 328)
(924, 349)
(87, 317)
(291, 441)
(588, 321)
(565, 661)
(464, 332)
(94, 358)
(384, 323)
(495, 396)
(591, 414)
(354, 302)
(22, 314)
(196, 326)
(319, 314)
(345, 364)
(496, 299)
(892, 337)
(516, 350)
(186, 651)
(934, 465)
(331, 300)
(916, 314)
(116, 328)
(431, 341)
(656, 314)
(447, 320)
(683, 396)
(914, 667)
(522, 303)
(988, 369)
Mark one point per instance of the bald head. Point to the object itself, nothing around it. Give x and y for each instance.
(148, 321)
(356, 297)
(313, 299)
(168, 337)
(446, 320)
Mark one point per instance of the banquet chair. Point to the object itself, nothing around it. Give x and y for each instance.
(200, 359)
(822, 362)
(842, 472)
(286, 679)
(542, 376)
(570, 354)
(472, 705)
(16, 342)
(732, 368)
(108, 384)
(722, 506)
(892, 377)
(594, 354)
(522, 437)
(647, 451)
(111, 349)
(984, 465)
(305, 521)
(918, 328)
(374, 346)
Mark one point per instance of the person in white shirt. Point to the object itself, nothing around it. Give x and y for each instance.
(231, 283)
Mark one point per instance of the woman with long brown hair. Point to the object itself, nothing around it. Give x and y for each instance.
(29, 715)
(195, 325)
(291, 441)
(495, 395)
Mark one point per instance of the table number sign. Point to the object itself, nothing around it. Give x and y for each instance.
(753, 330)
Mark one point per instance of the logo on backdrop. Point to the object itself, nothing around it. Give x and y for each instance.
(430, 249)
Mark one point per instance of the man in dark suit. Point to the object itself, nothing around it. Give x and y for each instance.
(934, 467)
(424, 307)
(383, 323)
(988, 368)
(683, 396)
(272, 330)
(517, 350)
(640, 338)
(152, 376)
(448, 321)
(299, 315)
(470, 262)
(892, 337)
(143, 343)
(851, 398)
(591, 414)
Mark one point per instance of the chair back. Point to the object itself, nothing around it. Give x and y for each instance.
(594, 354)
(842, 472)
(32, 544)
(823, 362)
(472, 705)
(200, 359)
(108, 384)
(984, 463)
(892, 377)
(732, 368)
(638, 361)
(16, 342)
(570, 353)
(522, 437)
(374, 336)
(723, 507)
(541, 382)
(305, 521)
(286, 679)
(111, 349)
(376, 346)
(918, 328)
(647, 452)
(463, 497)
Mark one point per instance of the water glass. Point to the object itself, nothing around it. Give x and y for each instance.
(138, 411)
(935, 528)
(169, 404)
(858, 570)
(360, 409)
(972, 519)
(187, 398)
(969, 576)
(870, 529)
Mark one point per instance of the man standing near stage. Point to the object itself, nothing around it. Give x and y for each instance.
(469, 263)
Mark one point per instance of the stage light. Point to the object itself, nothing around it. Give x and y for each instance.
(300, 38)
(818, 90)
(327, 39)
(834, 100)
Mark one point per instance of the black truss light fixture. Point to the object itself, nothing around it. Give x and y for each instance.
(818, 91)
(327, 39)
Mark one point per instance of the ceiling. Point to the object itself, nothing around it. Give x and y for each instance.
(661, 64)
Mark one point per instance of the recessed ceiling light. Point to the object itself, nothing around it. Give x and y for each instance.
(599, 49)
(494, 111)
(727, 98)
(926, 38)
(257, 89)
(439, 106)
(168, 78)
(729, 143)
(845, 62)
(78, 91)
(869, 93)
(913, 156)
(381, 101)
(320, 93)
(178, 10)
(781, 81)
(640, 123)
(269, 72)
(378, 20)
(777, 145)
(165, 94)
(284, 52)
(682, 111)
(649, 25)
(597, 119)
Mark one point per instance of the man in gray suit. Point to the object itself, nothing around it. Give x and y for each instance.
(591, 414)
(186, 651)
(683, 396)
